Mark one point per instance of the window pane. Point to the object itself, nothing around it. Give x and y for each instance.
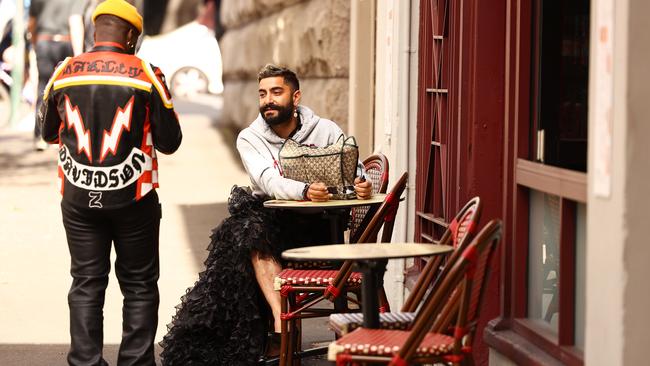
(563, 83)
(544, 258)
(581, 256)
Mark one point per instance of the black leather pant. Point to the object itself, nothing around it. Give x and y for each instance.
(134, 232)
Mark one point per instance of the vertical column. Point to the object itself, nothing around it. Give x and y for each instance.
(362, 74)
(18, 71)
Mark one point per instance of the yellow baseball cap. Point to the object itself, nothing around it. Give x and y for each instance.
(120, 9)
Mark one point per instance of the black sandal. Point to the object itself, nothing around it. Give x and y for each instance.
(272, 349)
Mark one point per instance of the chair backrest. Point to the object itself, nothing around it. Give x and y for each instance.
(467, 277)
(459, 233)
(383, 216)
(376, 167)
(377, 173)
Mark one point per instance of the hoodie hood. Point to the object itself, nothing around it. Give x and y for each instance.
(259, 148)
(307, 117)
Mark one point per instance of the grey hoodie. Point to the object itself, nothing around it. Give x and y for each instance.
(259, 146)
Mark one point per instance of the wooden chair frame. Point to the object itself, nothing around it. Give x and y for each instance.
(297, 307)
(456, 300)
(360, 216)
(459, 234)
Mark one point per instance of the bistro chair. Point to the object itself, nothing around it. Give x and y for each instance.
(459, 233)
(301, 290)
(376, 167)
(377, 173)
(456, 301)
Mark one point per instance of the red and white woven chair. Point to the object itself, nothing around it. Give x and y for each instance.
(377, 169)
(459, 233)
(444, 327)
(302, 289)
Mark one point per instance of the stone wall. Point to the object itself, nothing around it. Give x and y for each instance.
(310, 37)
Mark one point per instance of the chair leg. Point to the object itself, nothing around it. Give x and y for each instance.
(340, 361)
(292, 331)
(384, 306)
(468, 360)
(284, 336)
(291, 349)
(341, 302)
(297, 341)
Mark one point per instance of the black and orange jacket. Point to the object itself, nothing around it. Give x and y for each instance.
(109, 111)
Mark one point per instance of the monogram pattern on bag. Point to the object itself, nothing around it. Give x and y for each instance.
(335, 164)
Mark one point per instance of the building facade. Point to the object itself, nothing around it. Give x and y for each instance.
(536, 107)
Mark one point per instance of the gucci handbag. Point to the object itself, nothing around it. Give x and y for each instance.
(334, 165)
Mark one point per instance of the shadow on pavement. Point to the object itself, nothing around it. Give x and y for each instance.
(50, 354)
(199, 221)
(211, 106)
(229, 135)
(21, 164)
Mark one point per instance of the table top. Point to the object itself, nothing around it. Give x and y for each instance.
(376, 198)
(365, 251)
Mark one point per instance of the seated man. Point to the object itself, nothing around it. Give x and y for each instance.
(222, 318)
(282, 117)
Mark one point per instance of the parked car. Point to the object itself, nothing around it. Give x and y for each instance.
(189, 57)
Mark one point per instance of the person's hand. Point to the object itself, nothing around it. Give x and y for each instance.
(363, 188)
(318, 192)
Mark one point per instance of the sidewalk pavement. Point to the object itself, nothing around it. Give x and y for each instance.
(34, 259)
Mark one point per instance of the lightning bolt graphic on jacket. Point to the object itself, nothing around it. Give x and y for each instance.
(74, 121)
(121, 122)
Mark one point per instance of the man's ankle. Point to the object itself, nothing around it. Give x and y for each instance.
(273, 341)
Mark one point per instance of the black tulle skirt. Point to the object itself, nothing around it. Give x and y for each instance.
(223, 318)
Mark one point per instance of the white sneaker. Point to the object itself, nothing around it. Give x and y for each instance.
(40, 145)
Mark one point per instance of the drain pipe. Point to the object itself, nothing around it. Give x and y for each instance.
(18, 71)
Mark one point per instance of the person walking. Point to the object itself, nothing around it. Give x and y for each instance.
(109, 111)
(55, 29)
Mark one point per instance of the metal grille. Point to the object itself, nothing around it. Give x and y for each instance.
(433, 181)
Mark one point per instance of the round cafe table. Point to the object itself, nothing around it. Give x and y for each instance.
(336, 211)
(367, 257)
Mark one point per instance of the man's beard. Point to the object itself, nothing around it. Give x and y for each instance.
(284, 113)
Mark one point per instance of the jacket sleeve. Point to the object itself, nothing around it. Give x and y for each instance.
(165, 128)
(260, 166)
(48, 118)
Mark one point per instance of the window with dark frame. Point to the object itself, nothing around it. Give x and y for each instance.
(552, 181)
(562, 77)
(547, 93)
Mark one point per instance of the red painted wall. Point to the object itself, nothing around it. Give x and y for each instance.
(481, 157)
(476, 109)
